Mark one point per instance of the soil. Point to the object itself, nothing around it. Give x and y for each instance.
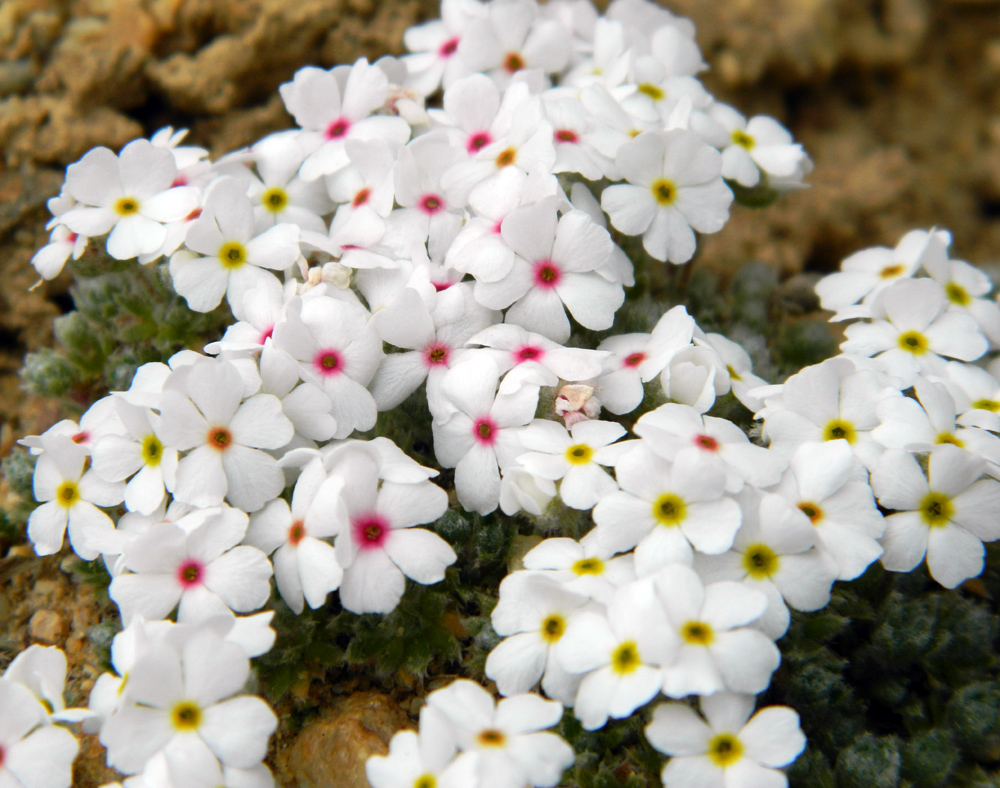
(897, 101)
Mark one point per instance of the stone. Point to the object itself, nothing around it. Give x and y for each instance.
(331, 751)
(47, 628)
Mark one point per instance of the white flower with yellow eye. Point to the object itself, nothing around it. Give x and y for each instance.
(70, 495)
(142, 456)
(732, 749)
(575, 456)
(532, 615)
(182, 702)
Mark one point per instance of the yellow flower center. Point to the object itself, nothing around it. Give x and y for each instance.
(589, 566)
(152, 450)
(425, 781)
(838, 429)
(957, 294)
(506, 158)
(892, 271)
(579, 454)
(743, 139)
(232, 255)
(812, 511)
(653, 91)
(669, 510)
(491, 737)
(185, 716)
(553, 627)
(126, 206)
(697, 633)
(991, 405)
(67, 494)
(760, 561)
(625, 658)
(732, 372)
(275, 199)
(913, 342)
(664, 191)
(936, 509)
(725, 749)
(947, 437)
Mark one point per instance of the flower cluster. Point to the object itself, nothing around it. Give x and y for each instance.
(439, 225)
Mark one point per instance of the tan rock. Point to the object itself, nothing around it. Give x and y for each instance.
(47, 627)
(331, 751)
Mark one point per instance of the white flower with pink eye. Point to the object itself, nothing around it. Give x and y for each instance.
(337, 105)
(32, 755)
(337, 349)
(478, 437)
(129, 195)
(305, 567)
(514, 346)
(70, 495)
(435, 62)
(555, 269)
(100, 419)
(377, 544)
(224, 436)
(205, 571)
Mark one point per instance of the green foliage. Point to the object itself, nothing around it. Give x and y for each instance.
(870, 762)
(614, 756)
(126, 316)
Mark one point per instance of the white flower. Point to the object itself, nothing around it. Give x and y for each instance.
(760, 145)
(434, 44)
(224, 436)
(423, 759)
(575, 456)
(70, 495)
(505, 743)
(582, 568)
(717, 648)
(42, 669)
(182, 702)
(233, 255)
(674, 187)
(733, 749)
(378, 544)
(305, 567)
(130, 195)
(281, 196)
(532, 615)
(619, 654)
(32, 756)
(945, 516)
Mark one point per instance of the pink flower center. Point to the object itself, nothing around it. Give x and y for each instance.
(436, 354)
(266, 334)
(528, 353)
(547, 274)
(338, 129)
(706, 442)
(71, 238)
(193, 215)
(81, 437)
(219, 438)
(477, 141)
(431, 204)
(296, 532)
(328, 362)
(439, 286)
(189, 574)
(370, 531)
(361, 197)
(633, 360)
(180, 180)
(498, 226)
(448, 48)
(484, 430)
(566, 135)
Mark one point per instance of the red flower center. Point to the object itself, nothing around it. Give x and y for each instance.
(547, 274)
(193, 215)
(477, 141)
(528, 353)
(296, 532)
(266, 334)
(513, 62)
(370, 530)
(566, 135)
(189, 574)
(706, 442)
(328, 362)
(484, 430)
(439, 286)
(338, 129)
(448, 48)
(180, 180)
(634, 359)
(71, 238)
(361, 197)
(81, 437)
(431, 204)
